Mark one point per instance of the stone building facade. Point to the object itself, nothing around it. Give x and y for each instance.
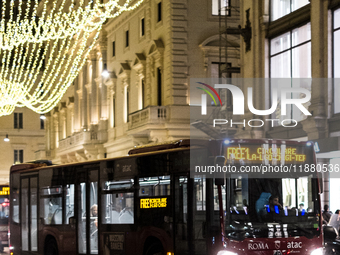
(149, 54)
(26, 133)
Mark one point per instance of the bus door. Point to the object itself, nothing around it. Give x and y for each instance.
(181, 244)
(29, 214)
(197, 209)
(87, 216)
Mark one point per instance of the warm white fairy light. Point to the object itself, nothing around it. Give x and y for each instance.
(36, 68)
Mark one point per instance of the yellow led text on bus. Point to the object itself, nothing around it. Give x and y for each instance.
(4, 191)
(153, 202)
(244, 153)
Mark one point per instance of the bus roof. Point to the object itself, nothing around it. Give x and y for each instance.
(157, 148)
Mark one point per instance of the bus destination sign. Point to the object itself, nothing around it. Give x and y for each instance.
(4, 191)
(147, 203)
(259, 154)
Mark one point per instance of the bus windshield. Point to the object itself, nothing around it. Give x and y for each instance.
(284, 205)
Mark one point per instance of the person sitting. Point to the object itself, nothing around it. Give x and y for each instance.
(326, 215)
(261, 203)
(273, 203)
(94, 218)
(301, 207)
(266, 205)
(335, 221)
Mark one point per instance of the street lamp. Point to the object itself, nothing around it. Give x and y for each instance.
(105, 72)
(6, 139)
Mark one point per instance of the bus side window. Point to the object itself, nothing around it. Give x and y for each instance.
(15, 203)
(118, 206)
(50, 182)
(154, 186)
(199, 184)
(69, 210)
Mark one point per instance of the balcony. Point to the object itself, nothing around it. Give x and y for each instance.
(149, 115)
(81, 138)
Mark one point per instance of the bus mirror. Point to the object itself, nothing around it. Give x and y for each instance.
(219, 161)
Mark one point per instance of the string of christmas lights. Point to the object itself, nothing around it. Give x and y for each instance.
(41, 57)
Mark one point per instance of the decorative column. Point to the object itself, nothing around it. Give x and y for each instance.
(76, 119)
(84, 99)
(316, 125)
(94, 97)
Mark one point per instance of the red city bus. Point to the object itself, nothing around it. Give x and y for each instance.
(150, 203)
(4, 215)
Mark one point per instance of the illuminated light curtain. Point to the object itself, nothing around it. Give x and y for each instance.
(36, 68)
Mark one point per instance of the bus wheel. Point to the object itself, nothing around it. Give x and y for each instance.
(51, 247)
(155, 249)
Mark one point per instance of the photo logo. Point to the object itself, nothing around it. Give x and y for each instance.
(204, 97)
(281, 97)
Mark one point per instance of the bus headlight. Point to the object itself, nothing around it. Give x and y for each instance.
(233, 253)
(318, 251)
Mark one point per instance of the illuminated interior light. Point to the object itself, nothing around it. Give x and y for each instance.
(227, 141)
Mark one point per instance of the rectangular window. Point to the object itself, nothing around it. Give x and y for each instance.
(159, 11)
(69, 212)
(118, 202)
(142, 27)
(336, 57)
(280, 8)
(113, 48)
(290, 54)
(18, 156)
(220, 7)
(154, 186)
(15, 197)
(51, 205)
(127, 38)
(200, 196)
(18, 120)
(290, 57)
